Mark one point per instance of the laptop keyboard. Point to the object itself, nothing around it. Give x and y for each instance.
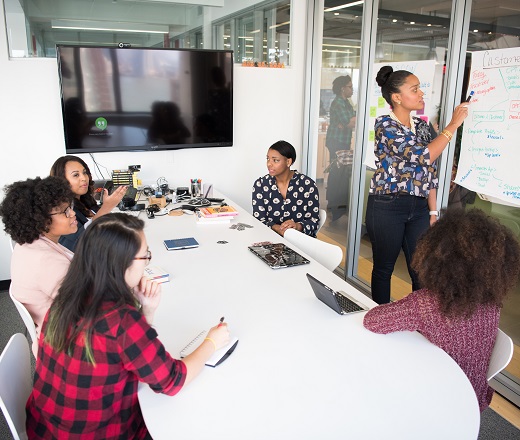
(347, 305)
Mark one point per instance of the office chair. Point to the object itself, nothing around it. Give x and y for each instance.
(329, 255)
(26, 317)
(501, 355)
(323, 217)
(15, 384)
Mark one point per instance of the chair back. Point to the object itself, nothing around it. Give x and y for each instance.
(327, 254)
(26, 317)
(11, 244)
(501, 355)
(15, 384)
(323, 217)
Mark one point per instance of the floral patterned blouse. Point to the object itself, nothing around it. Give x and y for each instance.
(402, 158)
(302, 202)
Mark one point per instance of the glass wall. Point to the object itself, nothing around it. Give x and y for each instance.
(257, 33)
(432, 40)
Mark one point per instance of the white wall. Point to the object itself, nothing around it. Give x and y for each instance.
(268, 106)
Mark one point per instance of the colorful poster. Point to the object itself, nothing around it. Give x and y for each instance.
(491, 133)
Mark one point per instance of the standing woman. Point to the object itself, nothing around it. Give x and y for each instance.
(397, 209)
(286, 199)
(338, 142)
(98, 342)
(77, 173)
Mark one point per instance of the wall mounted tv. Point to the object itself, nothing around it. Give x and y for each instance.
(144, 99)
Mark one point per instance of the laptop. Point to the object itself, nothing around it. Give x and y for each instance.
(278, 255)
(340, 302)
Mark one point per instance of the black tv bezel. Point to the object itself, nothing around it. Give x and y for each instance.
(149, 147)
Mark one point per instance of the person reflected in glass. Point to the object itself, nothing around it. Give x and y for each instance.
(284, 198)
(338, 141)
(466, 263)
(398, 207)
(77, 173)
(36, 213)
(98, 342)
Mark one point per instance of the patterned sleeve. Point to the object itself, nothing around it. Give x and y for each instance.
(144, 355)
(309, 216)
(398, 316)
(260, 202)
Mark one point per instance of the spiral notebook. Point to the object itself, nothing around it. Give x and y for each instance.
(218, 357)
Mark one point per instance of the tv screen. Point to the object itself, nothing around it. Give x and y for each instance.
(141, 99)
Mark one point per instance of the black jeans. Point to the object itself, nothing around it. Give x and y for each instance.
(394, 222)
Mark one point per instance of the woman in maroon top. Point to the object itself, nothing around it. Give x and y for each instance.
(467, 262)
(98, 343)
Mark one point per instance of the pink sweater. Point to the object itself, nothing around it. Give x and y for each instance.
(468, 341)
(37, 270)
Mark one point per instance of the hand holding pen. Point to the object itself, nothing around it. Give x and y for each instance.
(219, 334)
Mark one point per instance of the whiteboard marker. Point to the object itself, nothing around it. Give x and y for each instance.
(470, 96)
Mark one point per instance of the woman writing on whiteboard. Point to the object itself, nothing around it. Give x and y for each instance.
(284, 198)
(400, 205)
(98, 342)
(77, 173)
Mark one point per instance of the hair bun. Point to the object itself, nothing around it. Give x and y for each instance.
(383, 75)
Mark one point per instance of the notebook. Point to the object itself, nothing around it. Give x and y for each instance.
(218, 357)
(181, 243)
(278, 255)
(340, 302)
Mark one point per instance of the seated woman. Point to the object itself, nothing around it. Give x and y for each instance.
(466, 262)
(98, 343)
(36, 213)
(77, 173)
(285, 198)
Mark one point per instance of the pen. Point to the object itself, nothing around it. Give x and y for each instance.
(221, 321)
(470, 96)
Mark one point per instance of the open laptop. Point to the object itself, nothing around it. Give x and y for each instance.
(340, 302)
(278, 255)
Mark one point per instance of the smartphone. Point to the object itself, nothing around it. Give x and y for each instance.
(109, 186)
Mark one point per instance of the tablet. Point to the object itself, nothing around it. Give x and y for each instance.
(181, 243)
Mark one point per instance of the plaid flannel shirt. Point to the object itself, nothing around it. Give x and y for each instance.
(73, 398)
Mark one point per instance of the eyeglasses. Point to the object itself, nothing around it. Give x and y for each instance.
(69, 211)
(148, 257)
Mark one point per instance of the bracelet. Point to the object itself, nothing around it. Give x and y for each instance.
(214, 345)
(434, 213)
(447, 134)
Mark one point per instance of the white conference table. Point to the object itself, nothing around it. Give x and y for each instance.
(300, 371)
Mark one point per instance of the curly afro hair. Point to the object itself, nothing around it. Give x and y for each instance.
(26, 208)
(467, 258)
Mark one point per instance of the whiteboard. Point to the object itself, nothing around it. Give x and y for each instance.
(425, 71)
(490, 145)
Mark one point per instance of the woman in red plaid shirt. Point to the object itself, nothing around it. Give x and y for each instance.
(98, 342)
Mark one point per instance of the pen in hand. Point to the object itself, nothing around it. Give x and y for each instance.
(221, 321)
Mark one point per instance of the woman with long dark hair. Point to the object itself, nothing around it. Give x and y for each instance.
(77, 173)
(98, 343)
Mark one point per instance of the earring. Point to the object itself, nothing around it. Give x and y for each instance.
(399, 103)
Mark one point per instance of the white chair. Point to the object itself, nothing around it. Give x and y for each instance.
(501, 355)
(26, 317)
(15, 384)
(323, 217)
(329, 255)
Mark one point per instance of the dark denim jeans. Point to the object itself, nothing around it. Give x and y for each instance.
(394, 222)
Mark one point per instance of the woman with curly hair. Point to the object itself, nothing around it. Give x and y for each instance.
(77, 173)
(36, 213)
(402, 201)
(467, 263)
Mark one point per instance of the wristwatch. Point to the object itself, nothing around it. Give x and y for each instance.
(436, 213)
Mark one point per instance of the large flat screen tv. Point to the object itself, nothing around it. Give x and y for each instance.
(142, 99)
